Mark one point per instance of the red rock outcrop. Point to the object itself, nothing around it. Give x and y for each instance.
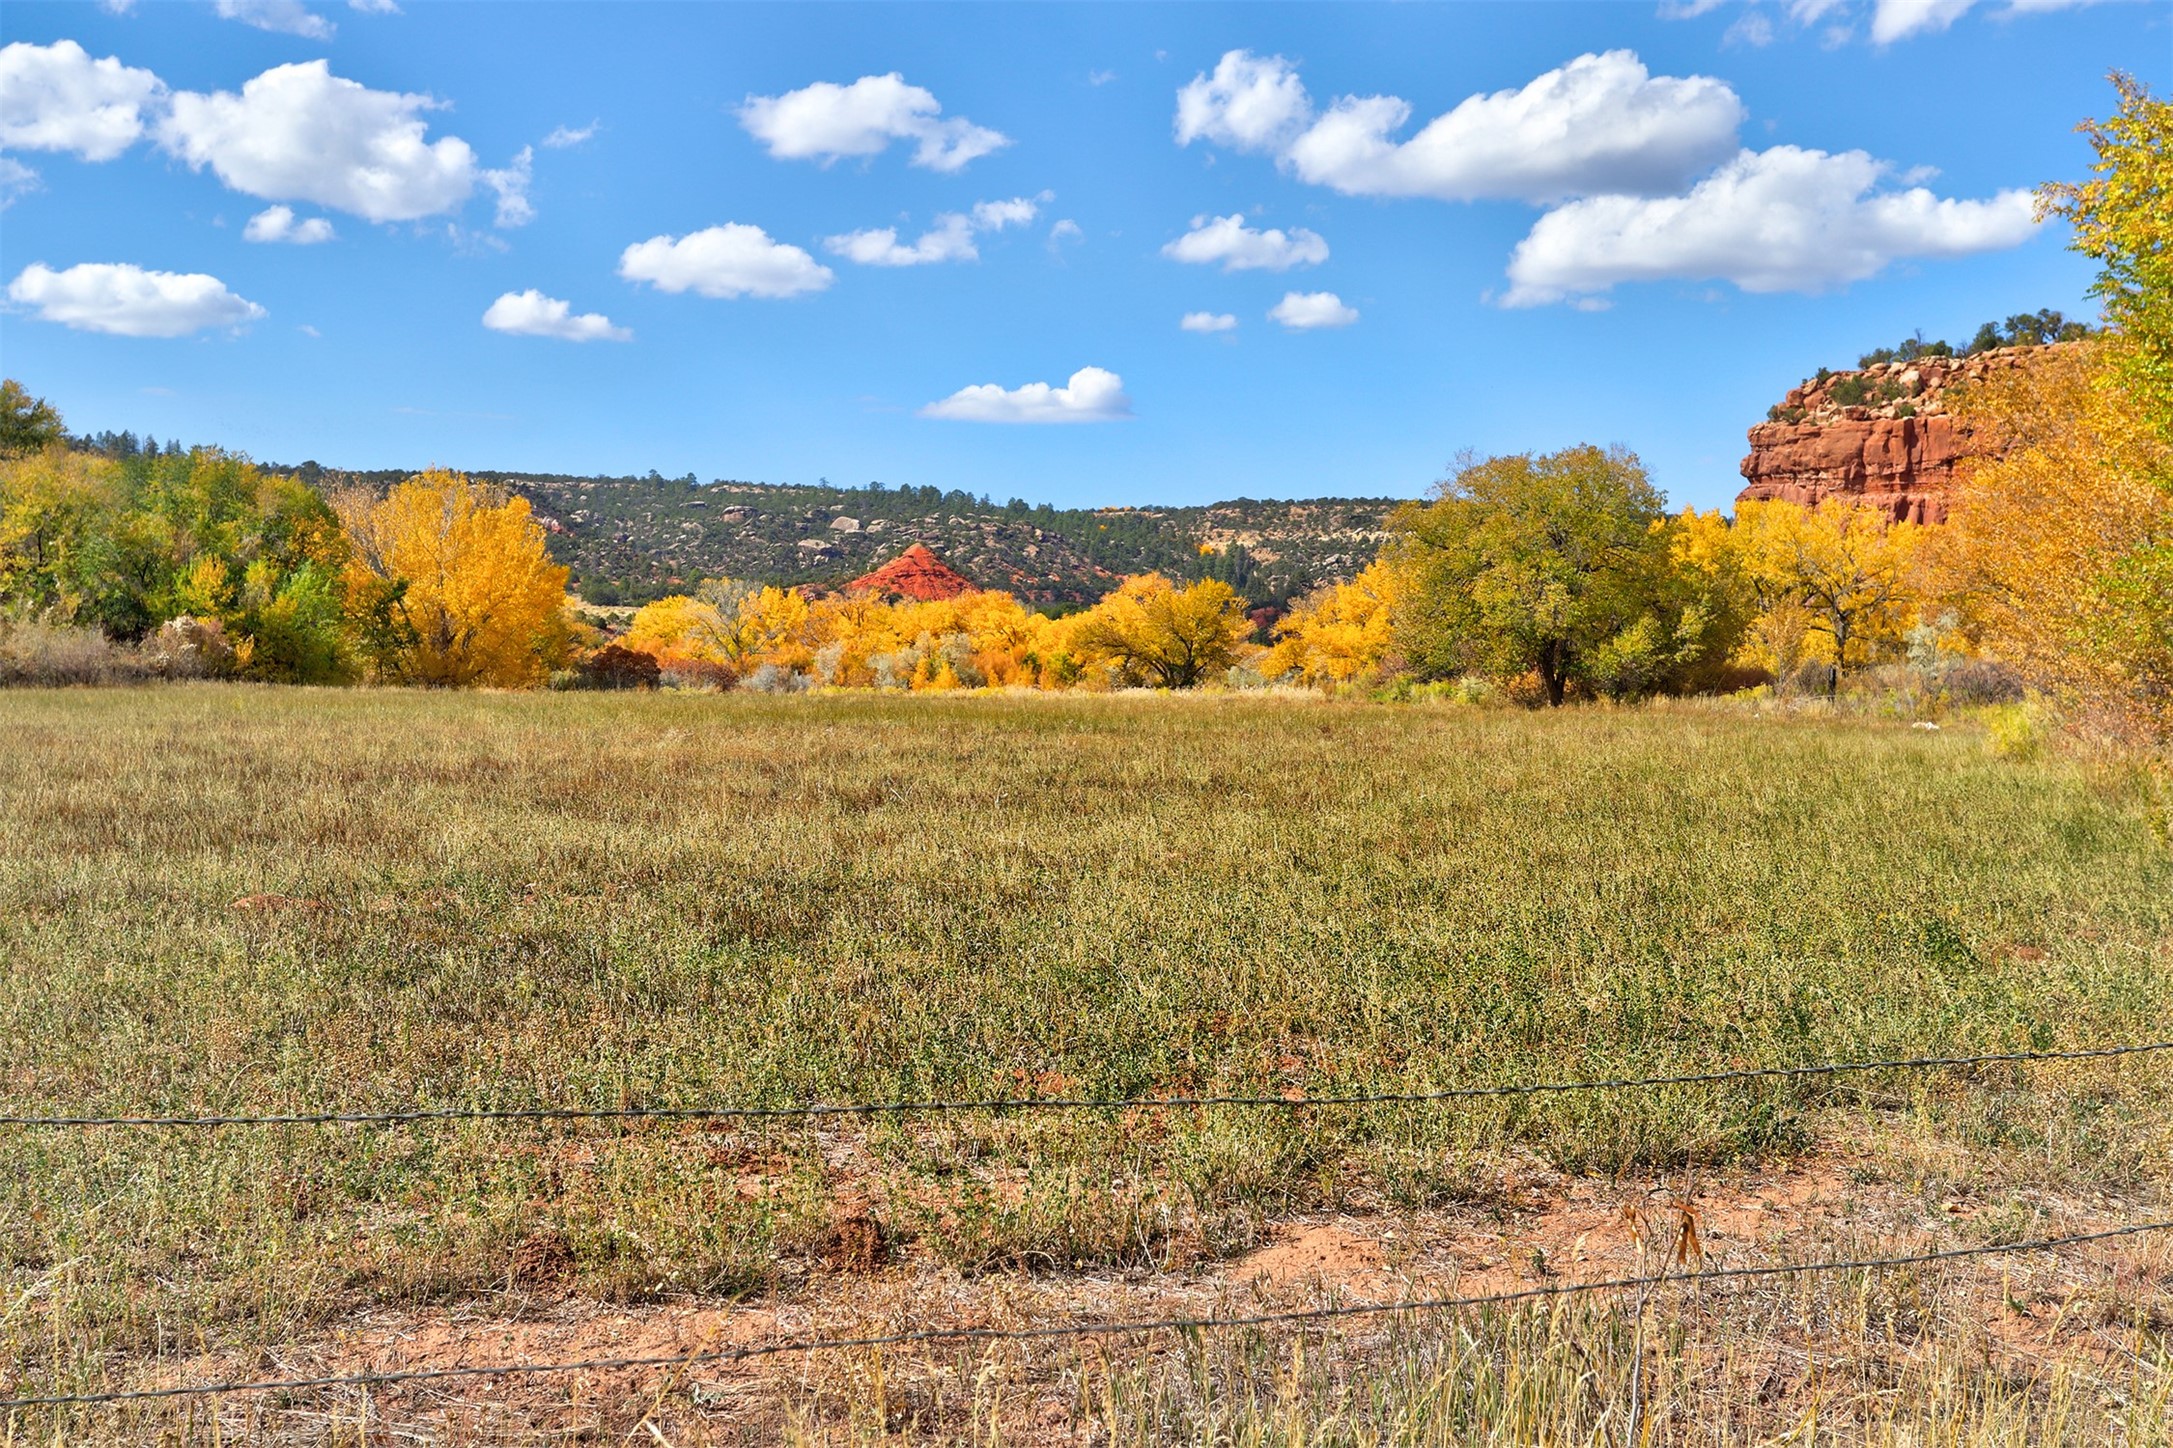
(917, 574)
(1882, 435)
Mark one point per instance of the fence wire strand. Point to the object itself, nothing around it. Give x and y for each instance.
(930, 1336)
(1058, 1103)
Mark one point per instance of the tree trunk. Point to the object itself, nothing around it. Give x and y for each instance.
(1551, 672)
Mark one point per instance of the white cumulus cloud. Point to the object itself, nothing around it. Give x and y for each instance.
(282, 17)
(824, 121)
(532, 314)
(1891, 20)
(1092, 394)
(732, 260)
(1207, 322)
(951, 239)
(1785, 219)
(56, 98)
(129, 301)
(1600, 123)
(1238, 247)
(300, 133)
(1018, 211)
(1250, 103)
(375, 7)
(277, 223)
(1306, 311)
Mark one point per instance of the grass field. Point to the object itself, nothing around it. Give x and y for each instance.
(239, 899)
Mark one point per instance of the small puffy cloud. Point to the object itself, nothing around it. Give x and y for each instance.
(732, 260)
(375, 7)
(1250, 103)
(128, 301)
(16, 181)
(1092, 395)
(563, 136)
(951, 239)
(1307, 311)
(996, 215)
(56, 98)
(1786, 219)
(1891, 20)
(1601, 123)
(1100, 77)
(1207, 322)
(532, 314)
(277, 223)
(300, 133)
(282, 17)
(824, 121)
(1237, 247)
(511, 186)
(1066, 230)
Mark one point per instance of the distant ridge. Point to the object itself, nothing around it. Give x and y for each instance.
(632, 539)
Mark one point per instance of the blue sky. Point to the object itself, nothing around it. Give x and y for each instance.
(1420, 229)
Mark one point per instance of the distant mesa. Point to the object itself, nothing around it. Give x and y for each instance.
(1880, 435)
(916, 574)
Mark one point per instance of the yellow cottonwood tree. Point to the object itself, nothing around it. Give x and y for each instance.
(1835, 583)
(1157, 633)
(2058, 554)
(451, 585)
(1341, 632)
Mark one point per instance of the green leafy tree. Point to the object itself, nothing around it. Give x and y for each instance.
(1558, 565)
(27, 424)
(2124, 221)
(126, 545)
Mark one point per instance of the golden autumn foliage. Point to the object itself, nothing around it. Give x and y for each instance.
(2124, 221)
(1147, 631)
(1833, 584)
(856, 640)
(2058, 555)
(1150, 631)
(452, 585)
(1340, 633)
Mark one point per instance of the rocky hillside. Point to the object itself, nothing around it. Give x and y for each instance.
(1881, 434)
(629, 540)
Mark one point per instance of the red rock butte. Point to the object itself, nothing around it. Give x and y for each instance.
(1881, 436)
(916, 574)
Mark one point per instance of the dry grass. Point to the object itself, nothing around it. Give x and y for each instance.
(230, 898)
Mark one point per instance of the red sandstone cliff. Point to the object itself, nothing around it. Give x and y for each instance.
(1882, 435)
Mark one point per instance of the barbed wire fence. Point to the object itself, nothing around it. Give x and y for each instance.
(1080, 1330)
(1004, 1104)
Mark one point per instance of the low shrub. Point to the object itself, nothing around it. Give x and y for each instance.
(189, 648)
(2013, 731)
(615, 666)
(51, 655)
(698, 674)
